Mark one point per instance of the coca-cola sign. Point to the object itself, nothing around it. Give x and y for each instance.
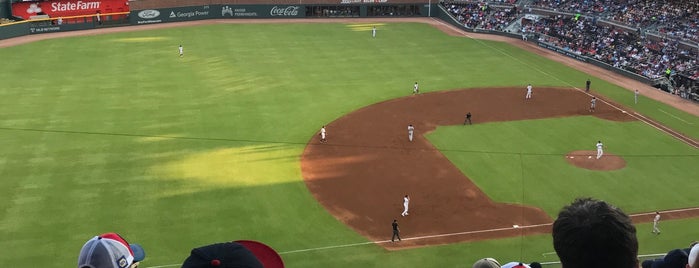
(288, 11)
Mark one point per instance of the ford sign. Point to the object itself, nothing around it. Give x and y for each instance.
(148, 14)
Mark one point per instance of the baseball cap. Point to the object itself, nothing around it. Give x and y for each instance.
(486, 263)
(239, 254)
(693, 254)
(109, 250)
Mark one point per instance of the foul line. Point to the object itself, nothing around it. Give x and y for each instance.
(690, 123)
(668, 131)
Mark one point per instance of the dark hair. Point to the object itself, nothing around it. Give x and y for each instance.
(593, 233)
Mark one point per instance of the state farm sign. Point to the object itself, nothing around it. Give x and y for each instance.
(69, 6)
(66, 8)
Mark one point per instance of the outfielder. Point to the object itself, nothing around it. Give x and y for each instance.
(181, 51)
(411, 129)
(373, 32)
(529, 92)
(406, 203)
(416, 88)
(635, 97)
(322, 135)
(600, 152)
(656, 220)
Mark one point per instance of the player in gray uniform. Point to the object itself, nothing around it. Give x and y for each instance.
(593, 103)
(411, 129)
(529, 92)
(600, 150)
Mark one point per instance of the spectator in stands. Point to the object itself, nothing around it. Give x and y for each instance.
(676, 258)
(486, 263)
(109, 250)
(693, 259)
(593, 233)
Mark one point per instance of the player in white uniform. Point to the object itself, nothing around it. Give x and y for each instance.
(181, 51)
(529, 92)
(635, 96)
(593, 104)
(322, 135)
(600, 152)
(373, 32)
(406, 203)
(416, 88)
(656, 220)
(411, 129)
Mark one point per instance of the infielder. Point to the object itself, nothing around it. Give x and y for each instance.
(406, 203)
(593, 103)
(322, 135)
(529, 92)
(655, 223)
(373, 32)
(416, 88)
(181, 51)
(600, 152)
(411, 129)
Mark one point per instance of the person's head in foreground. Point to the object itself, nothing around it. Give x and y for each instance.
(486, 263)
(237, 254)
(110, 251)
(593, 233)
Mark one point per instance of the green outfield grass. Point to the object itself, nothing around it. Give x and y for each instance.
(117, 133)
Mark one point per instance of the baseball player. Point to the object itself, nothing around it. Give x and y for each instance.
(468, 118)
(322, 135)
(635, 97)
(600, 152)
(406, 203)
(411, 129)
(373, 32)
(529, 92)
(593, 103)
(416, 88)
(396, 231)
(181, 51)
(656, 220)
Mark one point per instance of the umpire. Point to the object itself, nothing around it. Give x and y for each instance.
(468, 118)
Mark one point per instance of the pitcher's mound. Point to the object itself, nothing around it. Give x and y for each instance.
(588, 160)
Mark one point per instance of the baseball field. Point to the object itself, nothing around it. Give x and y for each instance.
(117, 133)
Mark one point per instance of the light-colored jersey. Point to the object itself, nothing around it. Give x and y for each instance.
(406, 201)
(599, 146)
(322, 131)
(656, 219)
(181, 50)
(411, 129)
(415, 87)
(593, 102)
(529, 89)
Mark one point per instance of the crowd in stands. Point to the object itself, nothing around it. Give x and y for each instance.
(677, 18)
(483, 15)
(5, 20)
(586, 31)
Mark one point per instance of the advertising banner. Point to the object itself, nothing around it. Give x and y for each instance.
(39, 29)
(266, 11)
(67, 8)
(172, 14)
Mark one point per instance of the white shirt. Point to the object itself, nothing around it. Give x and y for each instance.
(322, 131)
(599, 146)
(657, 218)
(406, 201)
(411, 128)
(415, 86)
(181, 49)
(529, 88)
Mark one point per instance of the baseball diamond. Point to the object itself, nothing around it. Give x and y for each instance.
(178, 150)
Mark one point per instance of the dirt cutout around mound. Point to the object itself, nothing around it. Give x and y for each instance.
(368, 164)
(588, 160)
